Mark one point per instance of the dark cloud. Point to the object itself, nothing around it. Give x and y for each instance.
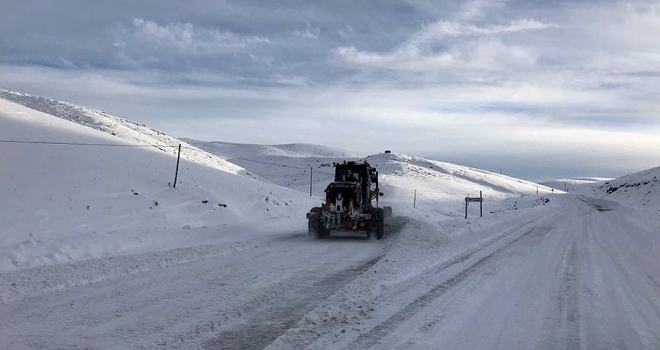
(225, 36)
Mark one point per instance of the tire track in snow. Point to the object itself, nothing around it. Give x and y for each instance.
(267, 322)
(186, 305)
(565, 323)
(371, 338)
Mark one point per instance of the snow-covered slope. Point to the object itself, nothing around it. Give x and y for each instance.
(122, 128)
(442, 186)
(640, 190)
(69, 202)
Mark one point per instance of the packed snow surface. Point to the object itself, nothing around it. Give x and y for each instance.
(99, 250)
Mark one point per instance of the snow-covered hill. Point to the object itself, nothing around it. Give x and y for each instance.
(411, 185)
(107, 195)
(124, 129)
(640, 190)
(442, 187)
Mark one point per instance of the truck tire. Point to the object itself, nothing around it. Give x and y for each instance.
(381, 224)
(376, 224)
(372, 225)
(314, 224)
(387, 212)
(323, 232)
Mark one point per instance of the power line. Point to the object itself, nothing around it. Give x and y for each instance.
(79, 143)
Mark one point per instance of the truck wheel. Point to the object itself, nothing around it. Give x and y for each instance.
(372, 228)
(314, 224)
(387, 212)
(381, 223)
(323, 232)
(376, 224)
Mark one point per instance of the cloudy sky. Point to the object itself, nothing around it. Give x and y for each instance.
(540, 89)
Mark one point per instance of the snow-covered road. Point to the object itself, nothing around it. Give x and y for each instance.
(583, 277)
(579, 274)
(242, 296)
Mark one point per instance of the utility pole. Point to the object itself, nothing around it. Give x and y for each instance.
(178, 158)
(415, 199)
(311, 178)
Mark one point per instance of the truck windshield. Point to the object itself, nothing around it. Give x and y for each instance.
(347, 174)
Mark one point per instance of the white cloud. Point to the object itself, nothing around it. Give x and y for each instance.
(494, 55)
(442, 29)
(308, 33)
(266, 60)
(484, 54)
(477, 9)
(179, 34)
(436, 47)
(189, 38)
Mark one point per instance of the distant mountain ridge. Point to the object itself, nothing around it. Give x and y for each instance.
(574, 182)
(288, 150)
